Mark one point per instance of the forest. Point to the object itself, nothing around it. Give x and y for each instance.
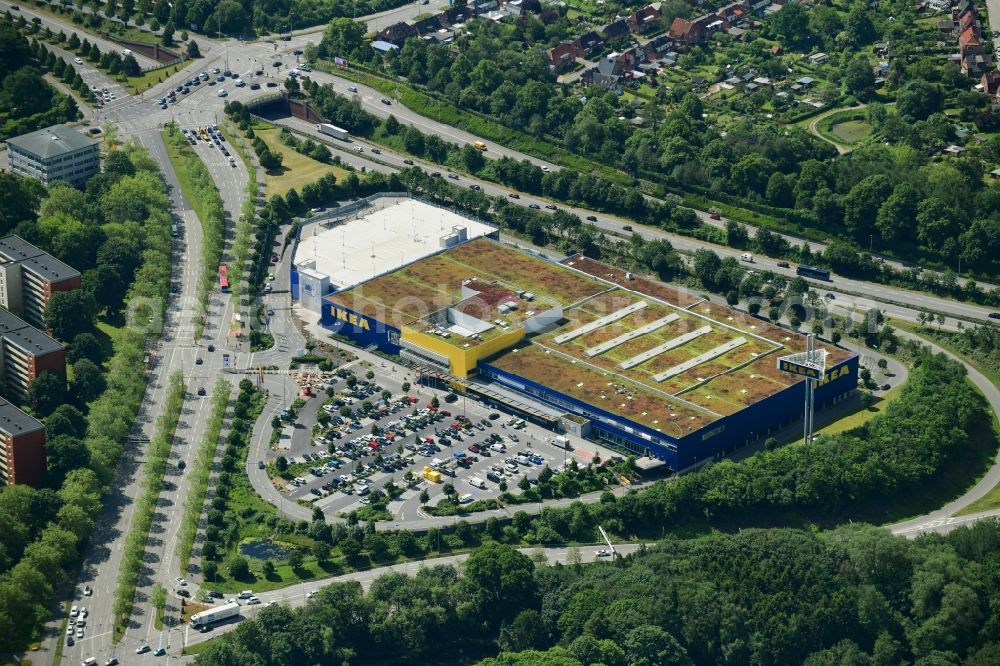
(852, 595)
(27, 101)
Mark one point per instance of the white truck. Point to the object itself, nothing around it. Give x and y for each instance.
(211, 615)
(332, 130)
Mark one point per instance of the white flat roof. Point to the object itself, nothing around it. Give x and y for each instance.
(383, 240)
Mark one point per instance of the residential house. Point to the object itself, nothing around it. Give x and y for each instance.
(989, 83)
(615, 31)
(589, 42)
(564, 55)
(684, 31)
(645, 20)
(398, 33)
(608, 72)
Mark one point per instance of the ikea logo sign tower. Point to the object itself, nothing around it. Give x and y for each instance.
(810, 364)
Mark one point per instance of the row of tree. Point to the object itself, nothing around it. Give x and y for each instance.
(27, 101)
(47, 527)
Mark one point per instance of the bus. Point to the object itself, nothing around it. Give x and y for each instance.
(809, 271)
(223, 278)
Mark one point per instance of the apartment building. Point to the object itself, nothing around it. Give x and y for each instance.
(29, 277)
(25, 353)
(54, 153)
(22, 447)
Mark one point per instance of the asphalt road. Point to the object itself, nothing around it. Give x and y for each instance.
(203, 106)
(55, 25)
(296, 595)
(141, 118)
(176, 352)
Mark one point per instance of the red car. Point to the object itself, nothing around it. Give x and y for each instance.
(446, 412)
(514, 195)
(474, 448)
(715, 216)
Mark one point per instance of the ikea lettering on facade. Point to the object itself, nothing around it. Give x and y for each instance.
(351, 318)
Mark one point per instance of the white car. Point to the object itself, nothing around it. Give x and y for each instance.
(74, 611)
(83, 611)
(603, 552)
(79, 633)
(222, 93)
(253, 601)
(87, 591)
(180, 581)
(78, 61)
(310, 594)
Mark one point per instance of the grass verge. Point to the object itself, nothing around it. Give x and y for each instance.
(248, 212)
(296, 169)
(200, 191)
(200, 473)
(862, 415)
(145, 504)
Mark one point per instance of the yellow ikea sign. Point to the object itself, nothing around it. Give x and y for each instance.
(813, 373)
(796, 369)
(842, 371)
(351, 318)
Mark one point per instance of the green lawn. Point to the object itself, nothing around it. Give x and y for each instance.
(862, 416)
(296, 169)
(138, 84)
(851, 131)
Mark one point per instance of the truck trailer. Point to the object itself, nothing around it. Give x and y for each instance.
(332, 130)
(211, 615)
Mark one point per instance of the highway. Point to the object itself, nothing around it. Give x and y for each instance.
(142, 118)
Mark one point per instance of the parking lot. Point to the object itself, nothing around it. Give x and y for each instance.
(464, 443)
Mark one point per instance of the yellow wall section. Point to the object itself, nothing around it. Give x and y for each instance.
(463, 361)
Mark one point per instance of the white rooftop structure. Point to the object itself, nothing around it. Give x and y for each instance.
(383, 240)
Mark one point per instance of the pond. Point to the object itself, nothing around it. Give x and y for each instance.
(263, 550)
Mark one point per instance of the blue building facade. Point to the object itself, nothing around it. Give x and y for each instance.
(680, 451)
(363, 330)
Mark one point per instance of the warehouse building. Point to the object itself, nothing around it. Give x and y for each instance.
(583, 347)
(54, 153)
(372, 237)
(22, 447)
(29, 277)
